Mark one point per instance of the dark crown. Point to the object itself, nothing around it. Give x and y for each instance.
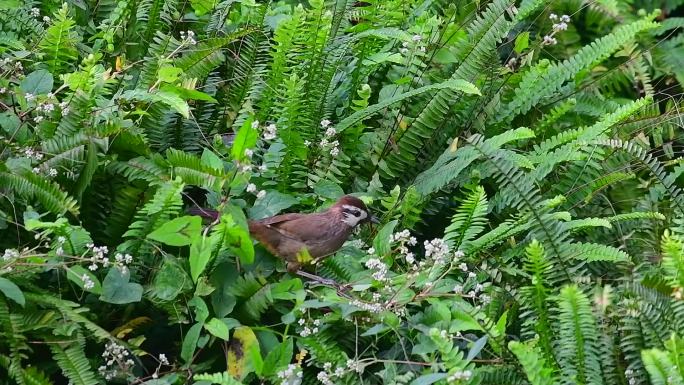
(351, 201)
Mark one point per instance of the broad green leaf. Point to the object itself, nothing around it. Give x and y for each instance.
(188, 94)
(237, 239)
(117, 289)
(178, 232)
(381, 242)
(217, 328)
(427, 379)
(37, 82)
(170, 280)
(190, 342)
(328, 189)
(201, 251)
(273, 203)
(169, 74)
(278, 358)
(202, 7)
(210, 159)
(12, 291)
(476, 348)
(75, 274)
(201, 309)
(522, 42)
(174, 101)
(245, 138)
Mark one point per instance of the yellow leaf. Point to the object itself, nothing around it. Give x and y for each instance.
(304, 257)
(239, 352)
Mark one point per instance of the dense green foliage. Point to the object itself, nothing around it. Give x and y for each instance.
(525, 159)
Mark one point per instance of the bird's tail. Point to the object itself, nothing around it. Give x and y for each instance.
(203, 212)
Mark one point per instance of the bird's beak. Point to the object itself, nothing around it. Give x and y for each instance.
(374, 219)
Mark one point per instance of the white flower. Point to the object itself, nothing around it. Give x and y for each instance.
(255, 124)
(371, 251)
(334, 151)
(163, 360)
(29, 96)
(246, 168)
(549, 40)
(249, 153)
(553, 17)
(458, 289)
(438, 250)
(565, 19)
(60, 251)
(263, 168)
(261, 194)
(36, 170)
(270, 132)
(560, 27)
(35, 12)
(63, 105)
(87, 282)
(10, 254)
(325, 123)
(307, 143)
(46, 19)
(52, 173)
(417, 38)
(61, 239)
(472, 275)
(65, 111)
(463, 266)
(404, 51)
(330, 131)
(38, 119)
(251, 188)
(3, 90)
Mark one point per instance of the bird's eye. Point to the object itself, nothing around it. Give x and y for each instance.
(357, 213)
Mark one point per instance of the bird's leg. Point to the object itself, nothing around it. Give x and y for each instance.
(316, 278)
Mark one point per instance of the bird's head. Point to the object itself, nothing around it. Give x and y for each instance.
(353, 211)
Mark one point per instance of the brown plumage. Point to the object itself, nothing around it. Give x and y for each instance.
(291, 236)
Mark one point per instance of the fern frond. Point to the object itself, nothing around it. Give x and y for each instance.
(48, 193)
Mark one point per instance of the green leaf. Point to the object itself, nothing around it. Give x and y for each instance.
(381, 242)
(37, 82)
(201, 251)
(236, 238)
(178, 232)
(117, 289)
(188, 94)
(522, 42)
(476, 348)
(428, 379)
(201, 309)
(278, 358)
(169, 74)
(217, 328)
(202, 7)
(273, 203)
(246, 138)
(328, 189)
(190, 342)
(75, 274)
(12, 291)
(174, 101)
(170, 280)
(210, 159)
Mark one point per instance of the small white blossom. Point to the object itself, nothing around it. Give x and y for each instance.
(35, 12)
(417, 38)
(61, 239)
(3, 90)
(249, 153)
(325, 123)
(46, 19)
(560, 27)
(246, 168)
(38, 119)
(60, 251)
(263, 168)
(438, 250)
(334, 151)
(261, 194)
(36, 170)
(251, 188)
(10, 254)
(29, 96)
(553, 17)
(404, 51)
(270, 132)
(87, 282)
(371, 251)
(565, 18)
(330, 132)
(307, 143)
(458, 289)
(472, 275)
(549, 40)
(52, 173)
(163, 360)
(255, 124)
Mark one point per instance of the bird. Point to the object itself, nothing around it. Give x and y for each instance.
(301, 238)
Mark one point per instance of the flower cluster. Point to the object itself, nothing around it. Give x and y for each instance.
(307, 331)
(99, 256)
(87, 282)
(437, 250)
(416, 42)
(10, 254)
(631, 377)
(330, 132)
(270, 131)
(460, 375)
(327, 376)
(290, 376)
(118, 361)
(404, 239)
(188, 37)
(678, 293)
(252, 189)
(163, 361)
(381, 269)
(561, 25)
